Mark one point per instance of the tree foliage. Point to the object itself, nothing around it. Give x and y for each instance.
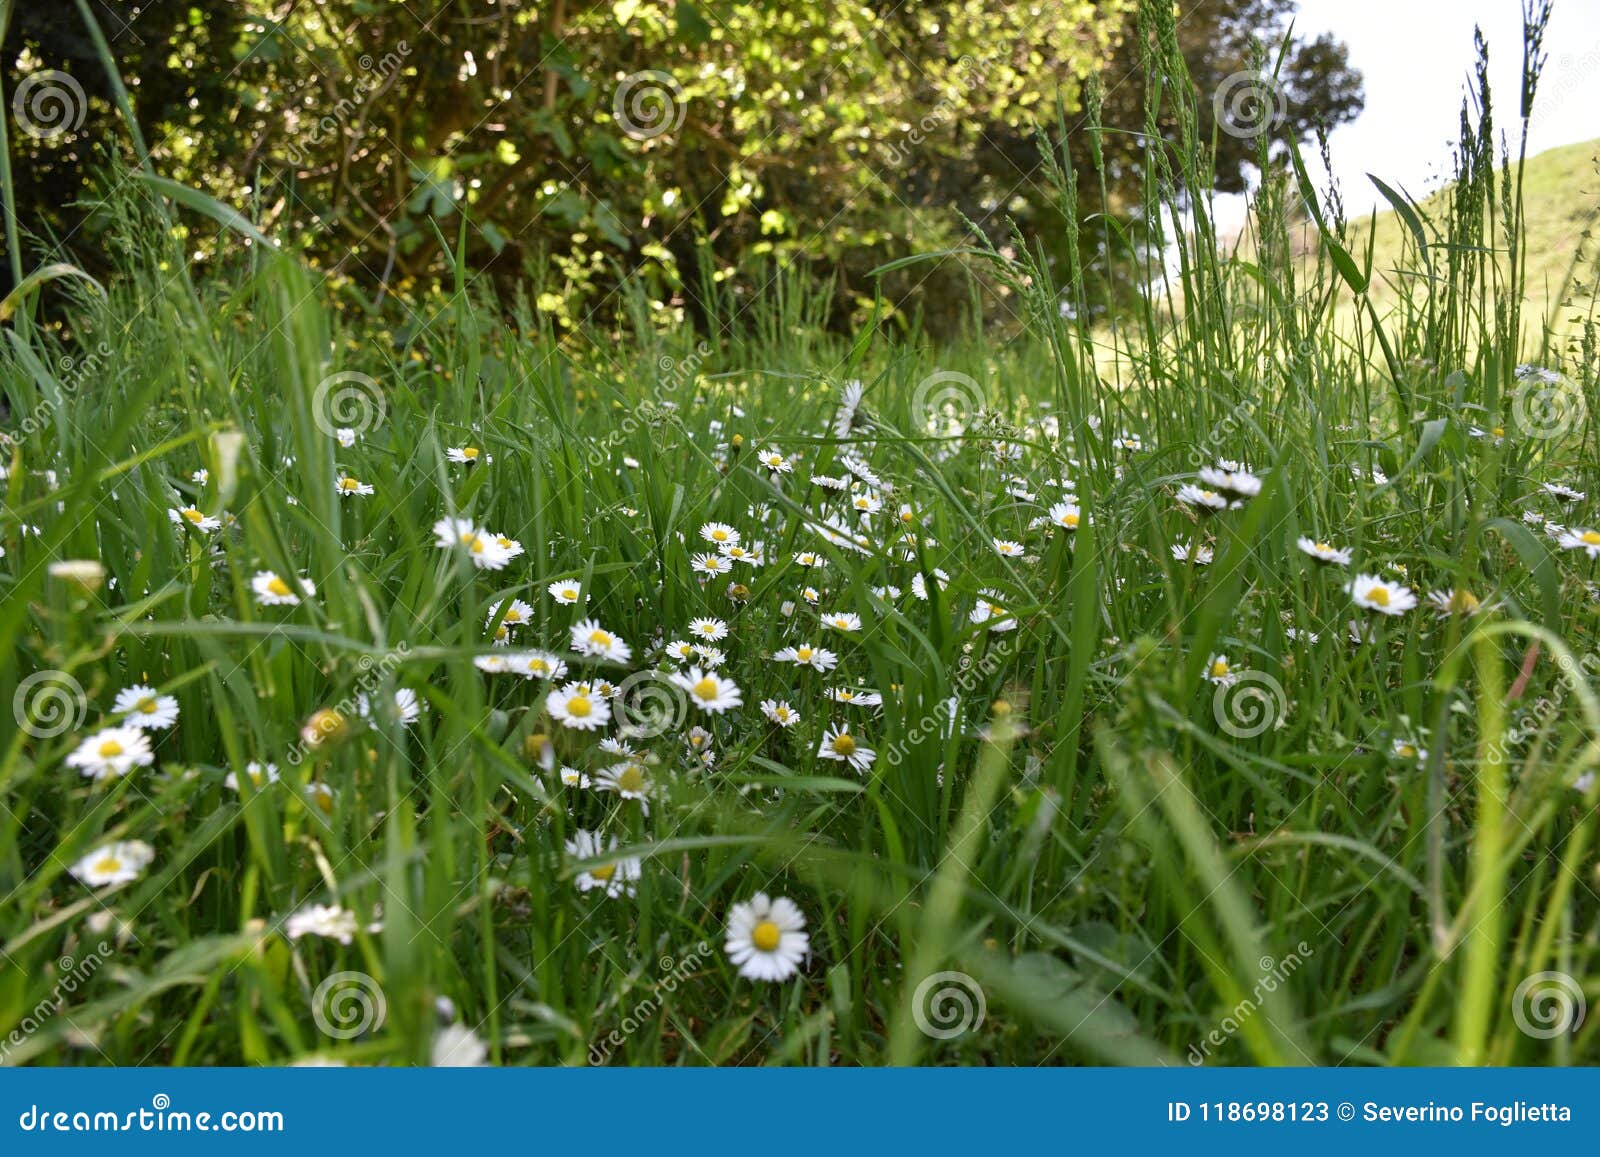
(700, 146)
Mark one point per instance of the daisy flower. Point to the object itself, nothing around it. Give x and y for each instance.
(145, 707)
(829, 483)
(484, 549)
(575, 705)
(1205, 501)
(1230, 480)
(847, 621)
(709, 630)
(1454, 602)
(719, 533)
(767, 938)
(616, 878)
(708, 690)
(491, 664)
(272, 591)
(572, 777)
(1409, 751)
(854, 697)
(710, 565)
(919, 583)
(627, 779)
(1323, 553)
(1374, 594)
(518, 613)
(590, 638)
(537, 665)
(1220, 672)
(809, 558)
(112, 753)
(567, 591)
(774, 461)
(327, 920)
(780, 712)
(351, 487)
(805, 655)
(1563, 492)
(866, 503)
(1005, 548)
(320, 796)
(680, 649)
(1066, 515)
(990, 610)
(1587, 541)
(345, 436)
(849, 402)
(467, 455)
(736, 553)
(508, 544)
(1187, 551)
(190, 516)
(839, 744)
(259, 774)
(811, 595)
(407, 707)
(709, 656)
(118, 863)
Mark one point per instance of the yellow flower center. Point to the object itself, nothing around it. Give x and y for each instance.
(579, 706)
(631, 779)
(1323, 548)
(846, 696)
(349, 484)
(843, 744)
(110, 749)
(803, 654)
(782, 713)
(600, 639)
(256, 776)
(1463, 602)
(538, 666)
(469, 452)
(1378, 596)
(705, 689)
(719, 536)
(569, 593)
(603, 872)
(147, 706)
(503, 541)
(765, 936)
(1498, 431)
(501, 632)
(193, 515)
(108, 864)
(1070, 521)
(1591, 537)
(323, 798)
(1406, 750)
(1219, 668)
(278, 587)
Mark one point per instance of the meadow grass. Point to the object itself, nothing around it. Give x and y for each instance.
(1350, 843)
